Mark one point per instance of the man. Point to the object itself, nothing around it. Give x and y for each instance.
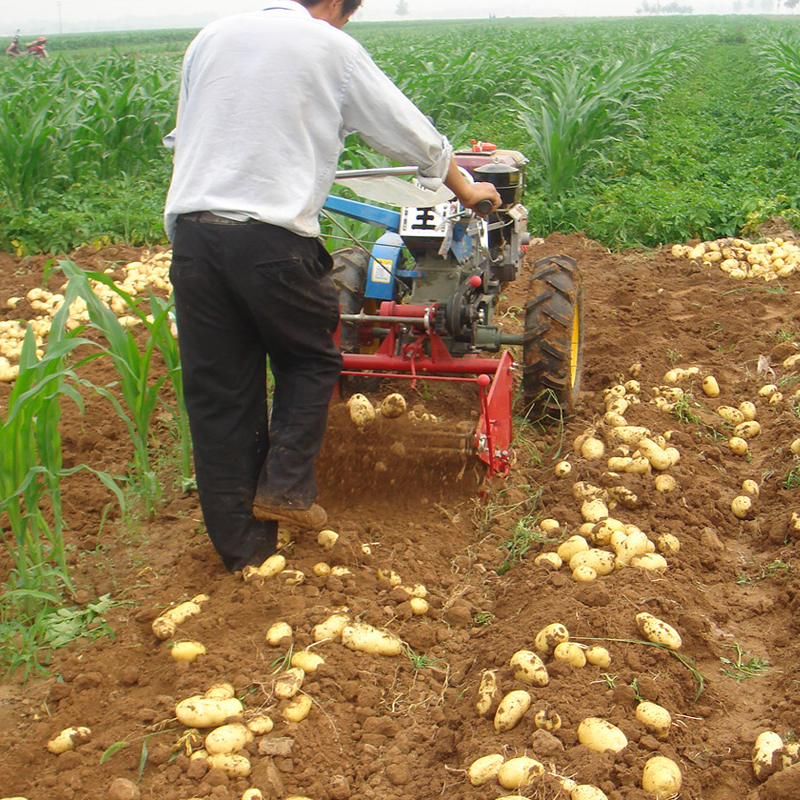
(266, 101)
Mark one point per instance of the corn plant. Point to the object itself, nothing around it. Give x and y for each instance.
(30, 492)
(138, 393)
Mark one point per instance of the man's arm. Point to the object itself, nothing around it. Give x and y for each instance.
(470, 194)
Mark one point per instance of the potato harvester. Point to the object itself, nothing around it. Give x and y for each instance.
(418, 303)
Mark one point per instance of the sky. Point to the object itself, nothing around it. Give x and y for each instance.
(34, 17)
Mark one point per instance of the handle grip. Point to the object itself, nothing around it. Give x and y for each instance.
(484, 207)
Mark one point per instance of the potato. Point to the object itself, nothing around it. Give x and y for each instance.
(747, 430)
(767, 390)
(630, 434)
(419, 607)
(288, 684)
(598, 656)
(390, 576)
(277, 632)
(549, 525)
(655, 454)
(340, 571)
(614, 420)
(751, 487)
(748, 410)
(571, 653)
(600, 735)
(742, 507)
(791, 754)
(228, 738)
(584, 574)
(207, 712)
(668, 543)
(710, 386)
(657, 631)
(518, 772)
(731, 414)
(293, 577)
(581, 490)
(585, 791)
(767, 752)
(393, 406)
(484, 769)
(69, 739)
(549, 636)
(655, 718)
(363, 638)
(552, 560)
(593, 449)
(331, 628)
(260, 725)
(511, 710)
(220, 691)
(165, 625)
(547, 719)
(488, 692)
(594, 510)
(234, 766)
(274, 565)
(635, 544)
(738, 446)
(661, 776)
(529, 668)
(187, 651)
(362, 412)
(562, 469)
(327, 539)
(298, 709)
(575, 544)
(252, 794)
(307, 661)
(666, 484)
(321, 569)
(649, 561)
(601, 561)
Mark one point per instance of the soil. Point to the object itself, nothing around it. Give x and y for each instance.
(397, 728)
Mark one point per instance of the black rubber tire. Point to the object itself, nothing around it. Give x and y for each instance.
(553, 341)
(349, 273)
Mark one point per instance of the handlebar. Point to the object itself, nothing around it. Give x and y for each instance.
(484, 207)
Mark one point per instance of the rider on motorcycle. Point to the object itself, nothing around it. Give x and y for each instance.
(37, 47)
(13, 49)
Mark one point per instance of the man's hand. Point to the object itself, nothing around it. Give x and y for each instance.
(470, 194)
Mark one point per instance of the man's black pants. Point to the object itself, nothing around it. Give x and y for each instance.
(244, 292)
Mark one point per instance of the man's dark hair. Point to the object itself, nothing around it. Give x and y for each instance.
(348, 6)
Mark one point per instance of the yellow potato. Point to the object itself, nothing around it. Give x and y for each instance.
(488, 691)
(767, 754)
(277, 632)
(419, 607)
(307, 661)
(298, 709)
(562, 469)
(549, 636)
(187, 651)
(575, 544)
(393, 406)
(598, 656)
(206, 712)
(165, 625)
(570, 652)
(364, 638)
(518, 772)
(742, 507)
(668, 543)
(585, 791)
(738, 446)
(747, 430)
(511, 710)
(69, 739)
(710, 386)
(484, 769)
(600, 735)
(657, 631)
(655, 718)
(552, 560)
(547, 719)
(228, 738)
(529, 668)
(601, 561)
(327, 539)
(584, 574)
(233, 765)
(260, 725)
(288, 684)
(331, 628)
(661, 777)
(220, 691)
(362, 412)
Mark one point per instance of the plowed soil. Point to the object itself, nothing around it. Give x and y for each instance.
(406, 727)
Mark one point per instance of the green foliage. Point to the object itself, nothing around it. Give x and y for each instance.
(743, 665)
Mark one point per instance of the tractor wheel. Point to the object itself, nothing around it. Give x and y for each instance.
(553, 342)
(350, 276)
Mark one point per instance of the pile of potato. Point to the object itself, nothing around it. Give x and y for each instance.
(740, 259)
(139, 277)
(661, 776)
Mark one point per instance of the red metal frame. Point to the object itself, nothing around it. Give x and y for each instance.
(425, 356)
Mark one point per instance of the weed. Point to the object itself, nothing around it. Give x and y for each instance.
(792, 479)
(419, 660)
(682, 410)
(483, 618)
(634, 684)
(523, 537)
(673, 357)
(741, 667)
(766, 571)
(785, 336)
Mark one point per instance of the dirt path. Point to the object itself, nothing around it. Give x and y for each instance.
(404, 728)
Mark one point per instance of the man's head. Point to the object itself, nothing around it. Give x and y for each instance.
(335, 12)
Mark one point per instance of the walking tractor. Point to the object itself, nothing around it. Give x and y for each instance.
(418, 303)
